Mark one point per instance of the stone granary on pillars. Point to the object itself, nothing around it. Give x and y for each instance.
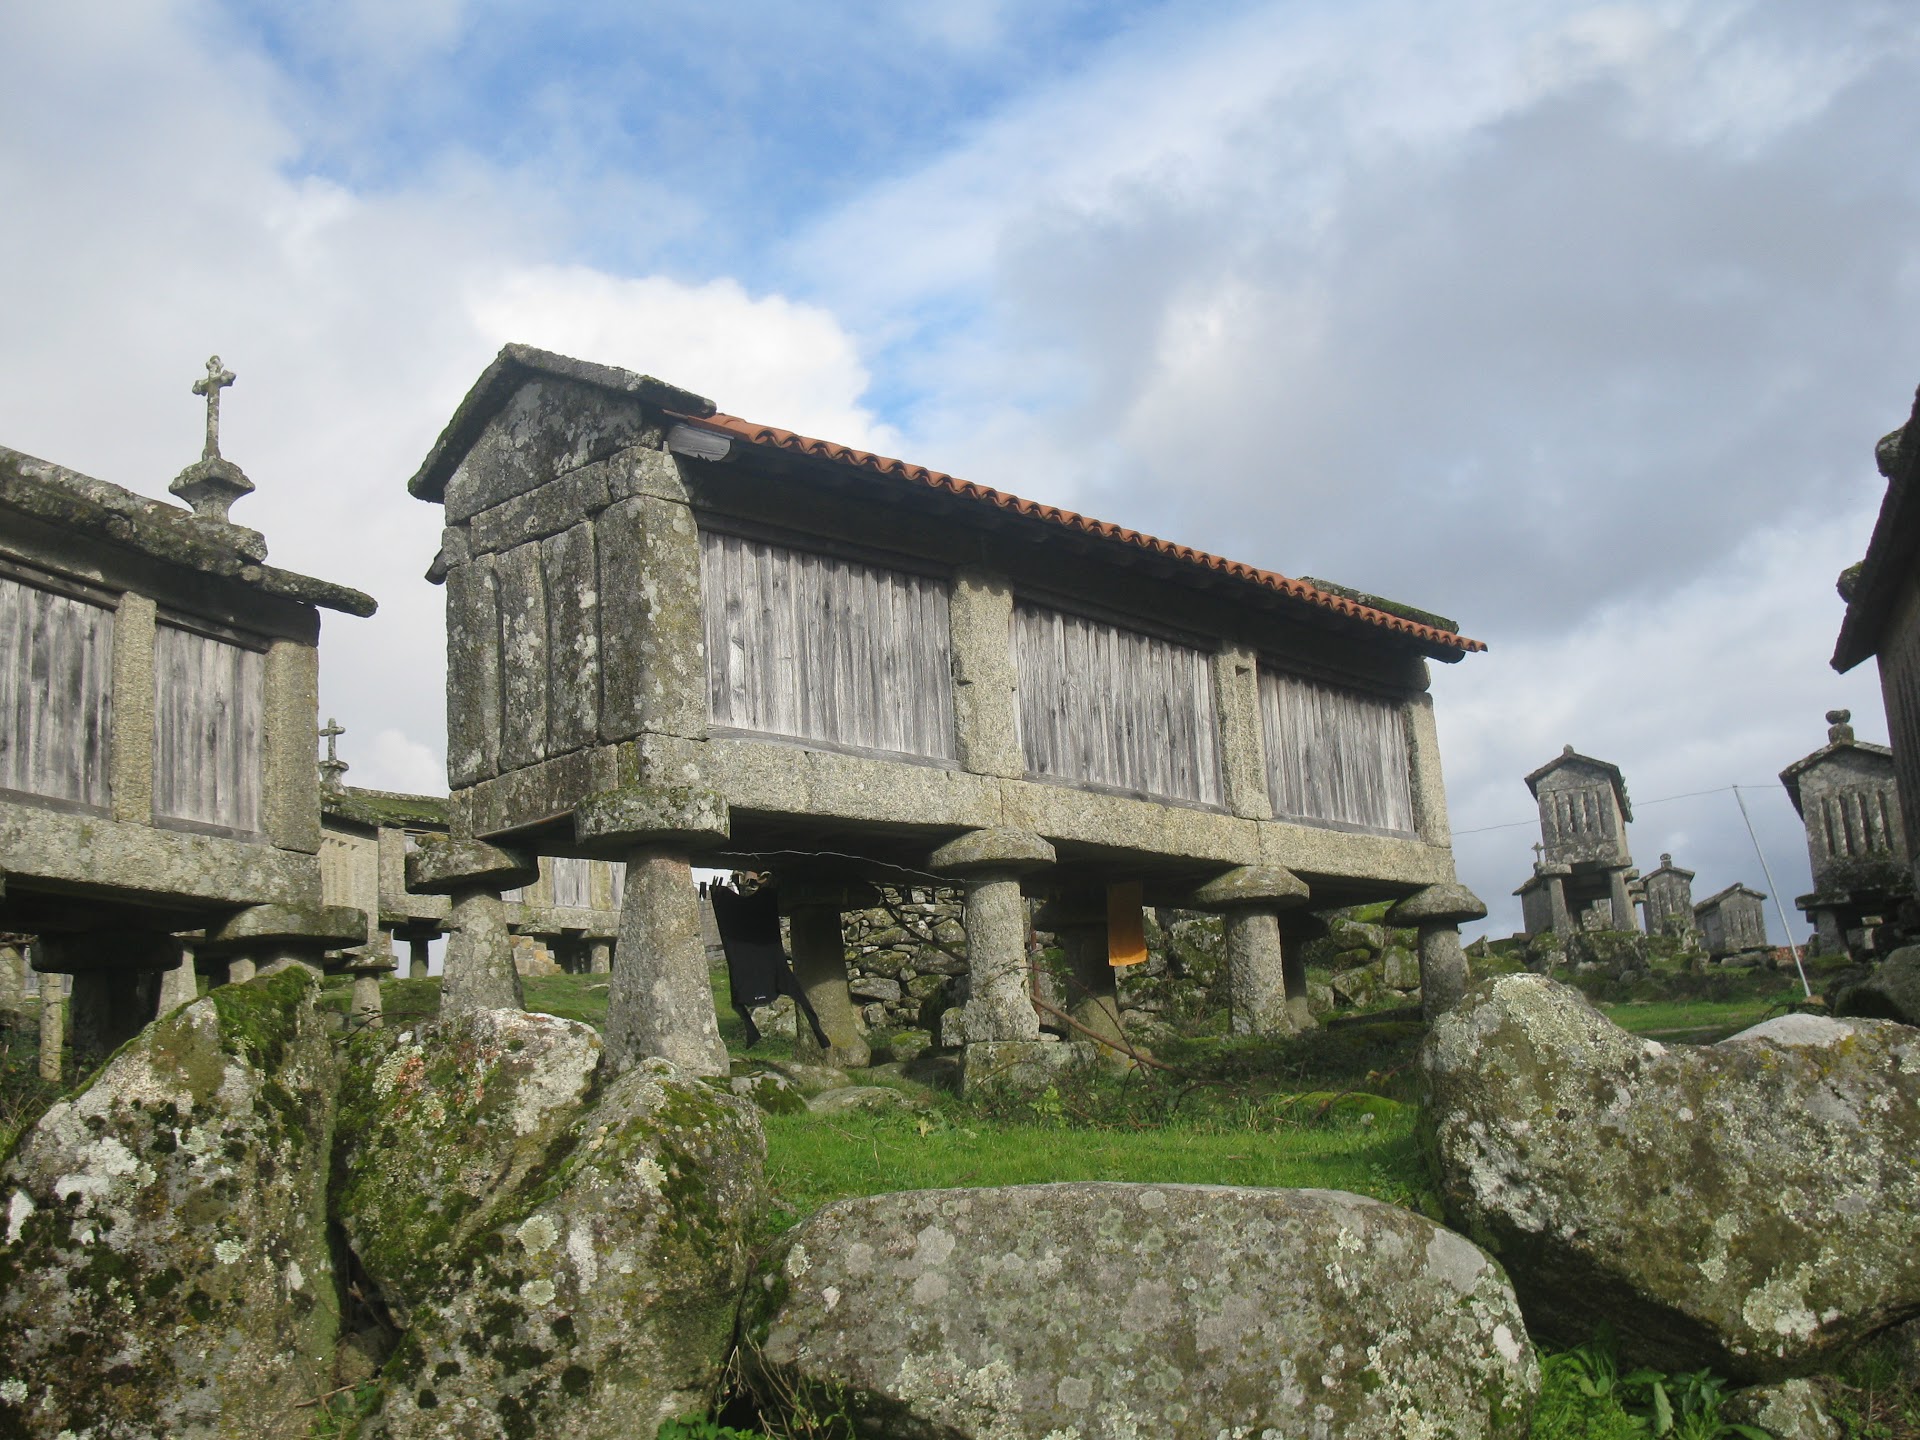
(1883, 615)
(1583, 876)
(571, 911)
(1849, 798)
(676, 634)
(1668, 896)
(158, 685)
(1733, 922)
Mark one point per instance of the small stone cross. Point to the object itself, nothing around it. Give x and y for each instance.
(333, 767)
(1538, 851)
(331, 732)
(216, 381)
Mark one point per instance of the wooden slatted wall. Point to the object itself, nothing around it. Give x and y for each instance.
(1335, 756)
(818, 648)
(56, 686)
(571, 881)
(1113, 707)
(206, 730)
(1900, 684)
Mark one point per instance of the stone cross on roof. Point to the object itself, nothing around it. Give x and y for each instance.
(333, 767)
(213, 482)
(216, 381)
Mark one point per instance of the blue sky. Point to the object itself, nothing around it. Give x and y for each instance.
(1574, 321)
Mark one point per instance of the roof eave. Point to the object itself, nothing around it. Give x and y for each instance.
(508, 371)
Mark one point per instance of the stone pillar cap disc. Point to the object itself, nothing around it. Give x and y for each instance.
(322, 926)
(1267, 885)
(1000, 848)
(639, 814)
(1447, 904)
(442, 865)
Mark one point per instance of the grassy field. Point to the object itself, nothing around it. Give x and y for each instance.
(1700, 1022)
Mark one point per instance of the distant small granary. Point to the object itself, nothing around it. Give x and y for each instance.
(1668, 895)
(1584, 872)
(1883, 614)
(675, 633)
(158, 690)
(1849, 798)
(571, 911)
(1733, 922)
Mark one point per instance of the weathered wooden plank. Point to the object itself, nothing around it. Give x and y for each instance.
(1113, 707)
(573, 640)
(1336, 755)
(208, 708)
(572, 879)
(56, 665)
(523, 655)
(815, 647)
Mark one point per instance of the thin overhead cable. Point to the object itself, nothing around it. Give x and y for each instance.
(1644, 804)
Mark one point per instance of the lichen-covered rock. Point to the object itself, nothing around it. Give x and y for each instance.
(1790, 1410)
(164, 1266)
(1891, 992)
(1115, 1311)
(599, 1298)
(440, 1126)
(1745, 1205)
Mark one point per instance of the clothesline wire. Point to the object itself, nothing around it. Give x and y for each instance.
(1644, 804)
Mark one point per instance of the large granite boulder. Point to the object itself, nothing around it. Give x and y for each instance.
(1746, 1205)
(594, 1292)
(164, 1265)
(441, 1126)
(1891, 992)
(1113, 1311)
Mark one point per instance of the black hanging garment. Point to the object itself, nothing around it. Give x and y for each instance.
(758, 972)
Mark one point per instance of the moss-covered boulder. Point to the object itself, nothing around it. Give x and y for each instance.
(1890, 992)
(1115, 1311)
(440, 1127)
(1746, 1205)
(598, 1298)
(164, 1265)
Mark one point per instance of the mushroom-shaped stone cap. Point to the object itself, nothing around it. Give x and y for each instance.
(643, 814)
(1447, 904)
(323, 927)
(442, 865)
(1000, 848)
(1267, 885)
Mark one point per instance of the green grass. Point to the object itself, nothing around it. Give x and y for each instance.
(814, 1160)
(1698, 1021)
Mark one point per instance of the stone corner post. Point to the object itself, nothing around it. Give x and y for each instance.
(985, 712)
(478, 972)
(820, 966)
(368, 971)
(1243, 746)
(1264, 975)
(1437, 913)
(659, 1001)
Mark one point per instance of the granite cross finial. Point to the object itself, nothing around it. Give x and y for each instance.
(333, 767)
(216, 381)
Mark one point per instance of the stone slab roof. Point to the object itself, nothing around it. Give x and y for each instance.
(516, 364)
(1790, 777)
(1892, 552)
(388, 809)
(1721, 896)
(160, 531)
(1570, 756)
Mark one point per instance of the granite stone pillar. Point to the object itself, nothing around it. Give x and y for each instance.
(599, 957)
(13, 977)
(368, 971)
(180, 985)
(1556, 876)
(819, 948)
(272, 937)
(478, 971)
(1298, 929)
(1251, 900)
(659, 999)
(53, 1028)
(989, 864)
(1079, 919)
(1436, 913)
(1620, 902)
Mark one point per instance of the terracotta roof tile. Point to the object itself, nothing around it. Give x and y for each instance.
(774, 438)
